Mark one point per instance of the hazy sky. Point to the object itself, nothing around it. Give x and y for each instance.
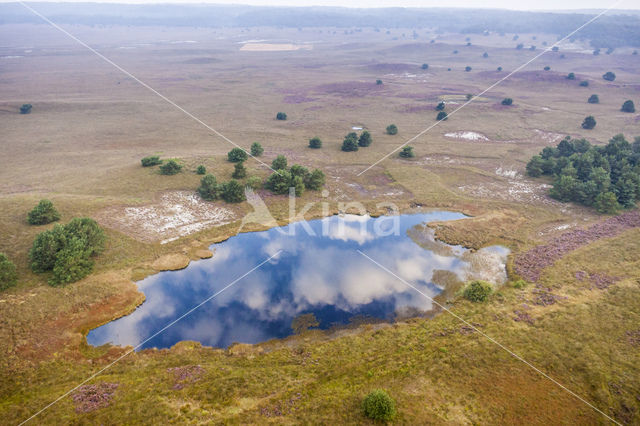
(496, 4)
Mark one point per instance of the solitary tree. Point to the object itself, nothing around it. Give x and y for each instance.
(239, 172)
(467, 68)
(43, 213)
(485, 55)
(507, 101)
(392, 129)
(315, 143)
(520, 46)
(171, 167)
(441, 116)
(379, 406)
(440, 106)
(609, 76)
(237, 155)
(256, 149)
(499, 69)
(425, 66)
(379, 82)
(555, 48)
(593, 99)
(628, 106)
(547, 68)
(478, 291)
(365, 139)
(281, 116)
(584, 83)
(8, 274)
(407, 152)
(208, 188)
(589, 122)
(279, 163)
(571, 76)
(25, 109)
(201, 170)
(153, 160)
(349, 144)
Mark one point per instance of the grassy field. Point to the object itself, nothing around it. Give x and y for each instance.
(90, 125)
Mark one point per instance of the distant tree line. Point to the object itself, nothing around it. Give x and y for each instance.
(605, 177)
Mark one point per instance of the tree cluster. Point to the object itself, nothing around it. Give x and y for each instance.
(67, 250)
(231, 192)
(297, 177)
(352, 141)
(171, 167)
(605, 177)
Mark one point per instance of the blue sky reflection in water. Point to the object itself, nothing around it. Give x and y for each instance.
(322, 274)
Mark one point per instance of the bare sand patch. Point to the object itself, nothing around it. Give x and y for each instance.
(274, 47)
(467, 135)
(176, 214)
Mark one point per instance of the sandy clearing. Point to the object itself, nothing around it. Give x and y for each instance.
(467, 135)
(178, 213)
(274, 47)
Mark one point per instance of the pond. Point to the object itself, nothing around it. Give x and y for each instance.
(317, 270)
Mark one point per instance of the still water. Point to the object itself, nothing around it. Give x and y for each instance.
(318, 270)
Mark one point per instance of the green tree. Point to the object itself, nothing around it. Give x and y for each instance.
(442, 115)
(239, 171)
(392, 129)
(485, 55)
(507, 101)
(8, 274)
(298, 170)
(609, 76)
(72, 263)
(379, 82)
(87, 230)
(350, 142)
(407, 152)
(467, 68)
(297, 183)
(315, 143)
(256, 149)
(365, 139)
(201, 170)
(584, 83)
(589, 122)
(279, 182)
(477, 291)
(628, 106)
(547, 68)
(315, 180)
(25, 108)
(208, 188)
(254, 182)
(279, 163)
(378, 405)
(593, 99)
(425, 66)
(499, 69)
(534, 166)
(607, 203)
(281, 116)
(171, 167)
(43, 213)
(564, 188)
(237, 155)
(152, 160)
(440, 106)
(232, 192)
(571, 76)
(45, 248)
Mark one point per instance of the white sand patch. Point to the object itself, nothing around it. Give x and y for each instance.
(356, 128)
(467, 135)
(177, 214)
(274, 47)
(508, 173)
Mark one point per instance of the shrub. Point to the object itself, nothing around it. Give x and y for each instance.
(469, 96)
(532, 48)
(547, 68)
(425, 66)
(596, 52)
(208, 188)
(441, 116)
(201, 170)
(571, 76)
(153, 160)
(232, 192)
(407, 152)
(607, 203)
(507, 101)
(236, 155)
(171, 167)
(628, 106)
(378, 405)
(365, 139)
(478, 291)
(349, 144)
(254, 182)
(239, 172)
(392, 129)
(499, 69)
(25, 108)
(279, 163)
(66, 249)
(379, 82)
(440, 106)
(520, 46)
(8, 274)
(281, 116)
(584, 83)
(519, 284)
(589, 122)
(43, 213)
(467, 68)
(455, 52)
(593, 99)
(315, 180)
(256, 149)
(555, 48)
(315, 143)
(485, 55)
(609, 76)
